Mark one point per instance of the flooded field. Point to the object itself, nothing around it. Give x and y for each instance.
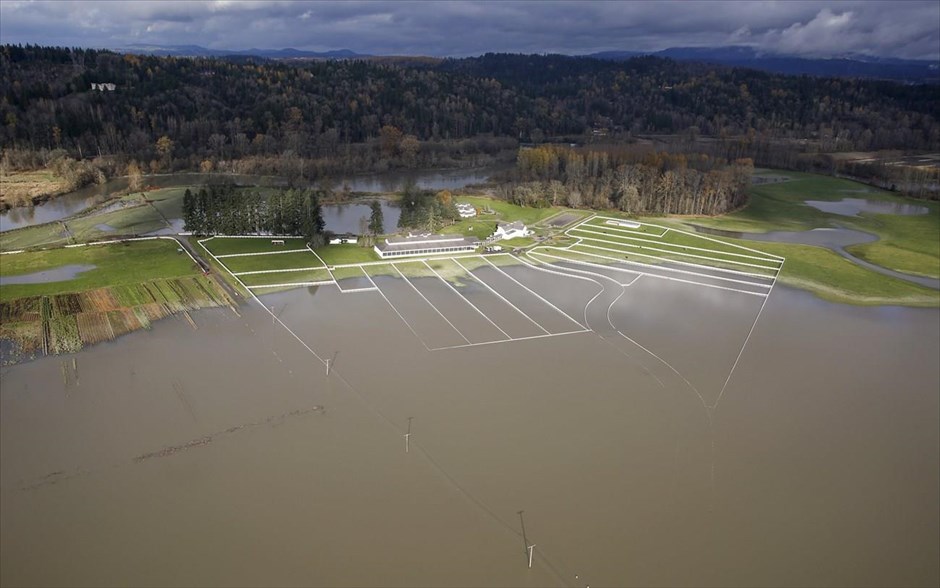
(59, 274)
(606, 414)
(855, 206)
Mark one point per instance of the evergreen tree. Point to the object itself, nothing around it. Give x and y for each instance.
(377, 221)
(189, 211)
(313, 224)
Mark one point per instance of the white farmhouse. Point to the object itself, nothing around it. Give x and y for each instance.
(510, 231)
(466, 210)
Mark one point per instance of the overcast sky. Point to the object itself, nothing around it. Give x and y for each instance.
(895, 28)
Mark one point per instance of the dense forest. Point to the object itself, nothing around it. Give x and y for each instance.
(638, 183)
(258, 116)
(223, 209)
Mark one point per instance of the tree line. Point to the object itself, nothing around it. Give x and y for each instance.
(223, 209)
(631, 181)
(425, 209)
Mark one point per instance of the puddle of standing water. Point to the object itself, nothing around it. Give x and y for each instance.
(854, 206)
(59, 274)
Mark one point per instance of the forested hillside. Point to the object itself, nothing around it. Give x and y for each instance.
(174, 113)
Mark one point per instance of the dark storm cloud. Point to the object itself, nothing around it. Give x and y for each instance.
(887, 28)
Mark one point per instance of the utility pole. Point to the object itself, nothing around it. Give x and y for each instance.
(408, 436)
(328, 367)
(525, 540)
(531, 551)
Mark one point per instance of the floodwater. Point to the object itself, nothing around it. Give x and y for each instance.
(855, 206)
(346, 218)
(59, 274)
(424, 179)
(226, 455)
(74, 202)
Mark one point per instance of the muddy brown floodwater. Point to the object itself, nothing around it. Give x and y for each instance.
(226, 455)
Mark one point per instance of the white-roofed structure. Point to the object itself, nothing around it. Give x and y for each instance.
(466, 210)
(425, 244)
(510, 231)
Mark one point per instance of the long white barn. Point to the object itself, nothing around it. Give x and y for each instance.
(425, 244)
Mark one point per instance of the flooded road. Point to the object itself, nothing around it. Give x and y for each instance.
(225, 455)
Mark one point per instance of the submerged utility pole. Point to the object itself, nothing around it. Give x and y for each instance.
(408, 436)
(525, 540)
(531, 551)
(328, 367)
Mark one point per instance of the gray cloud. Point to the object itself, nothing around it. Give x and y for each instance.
(893, 28)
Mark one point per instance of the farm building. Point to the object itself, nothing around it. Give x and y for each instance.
(425, 244)
(510, 231)
(466, 210)
(344, 238)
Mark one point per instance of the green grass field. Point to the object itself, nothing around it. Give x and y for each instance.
(235, 245)
(906, 243)
(384, 269)
(116, 264)
(280, 261)
(506, 211)
(50, 234)
(483, 225)
(817, 269)
(835, 278)
(317, 275)
(347, 254)
(341, 273)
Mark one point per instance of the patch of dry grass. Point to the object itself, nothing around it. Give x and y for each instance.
(21, 188)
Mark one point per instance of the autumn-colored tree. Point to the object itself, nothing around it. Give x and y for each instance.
(134, 176)
(206, 166)
(390, 140)
(165, 148)
(409, 150)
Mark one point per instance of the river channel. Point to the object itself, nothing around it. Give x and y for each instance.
(227, 456)
(74, 202)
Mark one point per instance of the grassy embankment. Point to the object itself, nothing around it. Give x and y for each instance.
(908, 244)
(131, 285)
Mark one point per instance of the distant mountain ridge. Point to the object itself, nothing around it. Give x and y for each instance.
(851, 65)
(199, 51)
